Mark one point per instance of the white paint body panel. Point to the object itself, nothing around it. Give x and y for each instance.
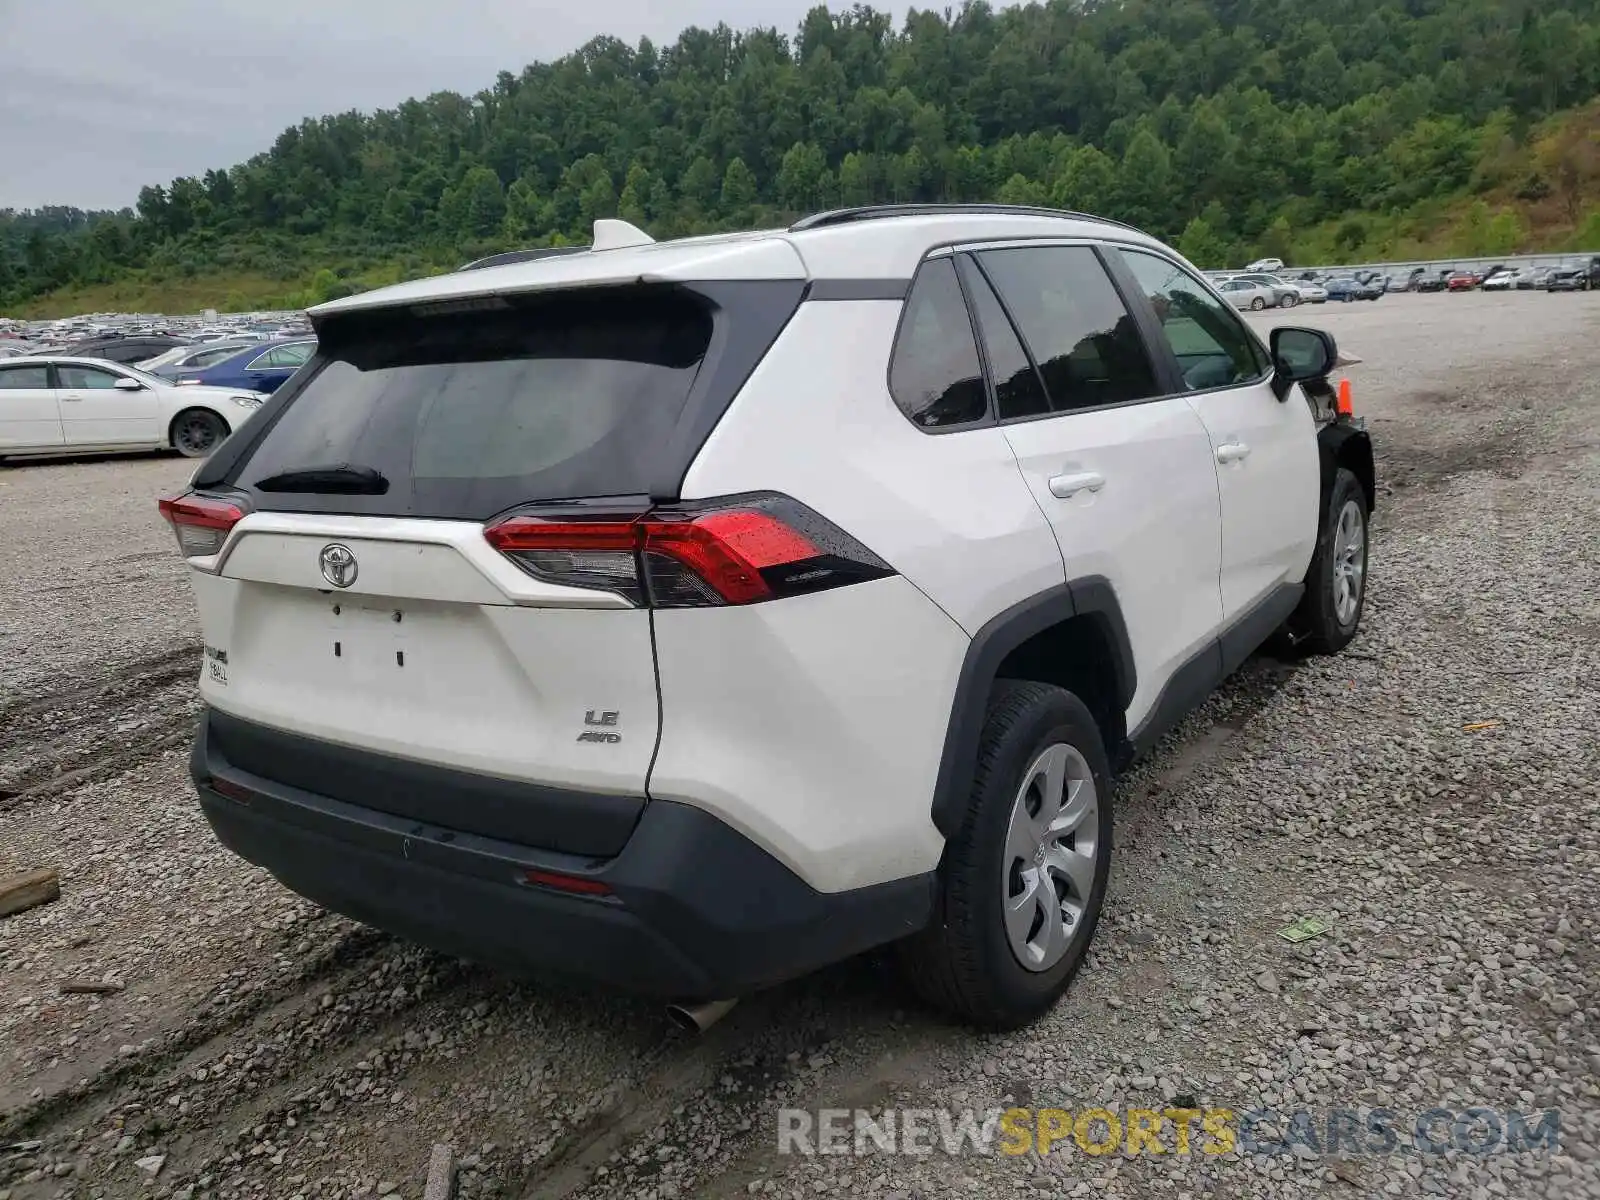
(948, 511)
(29, 420)
(813, 725)
(1152, 530)
(488, 670)
(1270, 496)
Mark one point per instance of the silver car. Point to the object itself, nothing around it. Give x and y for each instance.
(1243, 294)
(1284, 293)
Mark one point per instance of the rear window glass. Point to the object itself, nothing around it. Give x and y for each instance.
(466, 414)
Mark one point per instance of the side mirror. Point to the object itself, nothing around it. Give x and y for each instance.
(124, 384)
(1301, 356)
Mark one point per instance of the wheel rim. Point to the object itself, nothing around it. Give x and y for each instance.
(1349, 562)
(1052, 848)
(197, 434)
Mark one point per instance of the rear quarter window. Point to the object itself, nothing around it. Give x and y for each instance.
(935, 375)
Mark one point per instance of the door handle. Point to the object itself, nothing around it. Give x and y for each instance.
(72, 399)
(1064, 487)
(1232, 452)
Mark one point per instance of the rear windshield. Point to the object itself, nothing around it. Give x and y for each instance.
(466, 414)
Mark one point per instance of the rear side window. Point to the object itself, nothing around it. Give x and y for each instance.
(1212, 345)
(465, 414)
(19, 379)
(280, 357)
(1085, 341)
(934, 375)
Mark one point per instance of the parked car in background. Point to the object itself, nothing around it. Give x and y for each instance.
(1568, 279)
(1399, 283)
(1501, 281)
(1373, 287)
(121, 349)
(1311, 292)
(1266, 264)
(1284, 293)
(1463, 281)
(182, 360)
(1242, 294)
(73, 405)
(264, 367)
(1533, 279)
(1433, 281)
(1344, 288)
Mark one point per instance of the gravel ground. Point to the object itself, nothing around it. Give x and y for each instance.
(1431, 795)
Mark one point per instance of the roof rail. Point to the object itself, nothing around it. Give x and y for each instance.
(879, 212)
(518, 256)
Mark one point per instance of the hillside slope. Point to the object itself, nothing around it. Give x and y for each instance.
(1350, 128)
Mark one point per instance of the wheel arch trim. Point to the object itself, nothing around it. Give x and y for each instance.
(1342, 445)
(1091, 596)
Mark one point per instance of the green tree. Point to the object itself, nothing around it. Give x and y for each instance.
(738, 188)
(1203, 245)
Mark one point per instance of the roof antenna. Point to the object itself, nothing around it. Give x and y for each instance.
(617, 235)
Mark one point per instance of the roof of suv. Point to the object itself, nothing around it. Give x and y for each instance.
(878, 243)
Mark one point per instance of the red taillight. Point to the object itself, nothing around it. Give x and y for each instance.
(577, 885)
(201, 524)
(741, 550)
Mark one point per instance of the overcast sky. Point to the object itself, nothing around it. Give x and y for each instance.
(100, 97)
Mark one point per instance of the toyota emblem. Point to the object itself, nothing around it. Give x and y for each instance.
(339, 565)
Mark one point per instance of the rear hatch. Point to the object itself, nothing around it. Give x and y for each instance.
(351, 584)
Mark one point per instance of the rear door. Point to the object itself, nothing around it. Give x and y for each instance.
(95, 412)
(366, 606)
(1122, 471)
(29, 418)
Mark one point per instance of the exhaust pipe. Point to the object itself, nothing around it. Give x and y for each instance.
(697, 1018)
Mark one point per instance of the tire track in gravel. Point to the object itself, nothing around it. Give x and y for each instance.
(51, 743)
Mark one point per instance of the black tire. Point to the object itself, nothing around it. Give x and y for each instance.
(1257, 304)
(1316, 624)
(962, 964)
(196, 432)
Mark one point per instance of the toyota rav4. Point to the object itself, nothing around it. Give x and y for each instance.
(682, 617)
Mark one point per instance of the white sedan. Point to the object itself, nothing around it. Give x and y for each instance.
(69, 405)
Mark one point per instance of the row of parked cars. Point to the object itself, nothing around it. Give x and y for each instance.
(1267, 283)
(1571, 277)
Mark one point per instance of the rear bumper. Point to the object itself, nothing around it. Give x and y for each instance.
(694, 910)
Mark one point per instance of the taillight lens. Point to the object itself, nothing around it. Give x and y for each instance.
(737, 550)
(200, 523)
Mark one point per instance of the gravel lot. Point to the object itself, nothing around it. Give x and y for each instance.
(1431, 795)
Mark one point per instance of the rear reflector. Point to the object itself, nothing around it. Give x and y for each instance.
(737, 550)
(201, 524)
(577, 885)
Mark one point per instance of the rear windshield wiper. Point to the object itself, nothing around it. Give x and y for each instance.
(338, 479)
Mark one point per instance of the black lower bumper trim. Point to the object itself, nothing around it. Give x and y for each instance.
(696, 910)
(570, 821)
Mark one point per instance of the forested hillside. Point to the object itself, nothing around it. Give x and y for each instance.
(1305, 129)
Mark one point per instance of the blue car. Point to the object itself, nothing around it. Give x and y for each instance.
(262, 368)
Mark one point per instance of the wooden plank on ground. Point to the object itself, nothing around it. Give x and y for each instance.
(18, 893)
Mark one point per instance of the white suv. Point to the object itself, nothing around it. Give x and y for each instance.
(686, 616)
